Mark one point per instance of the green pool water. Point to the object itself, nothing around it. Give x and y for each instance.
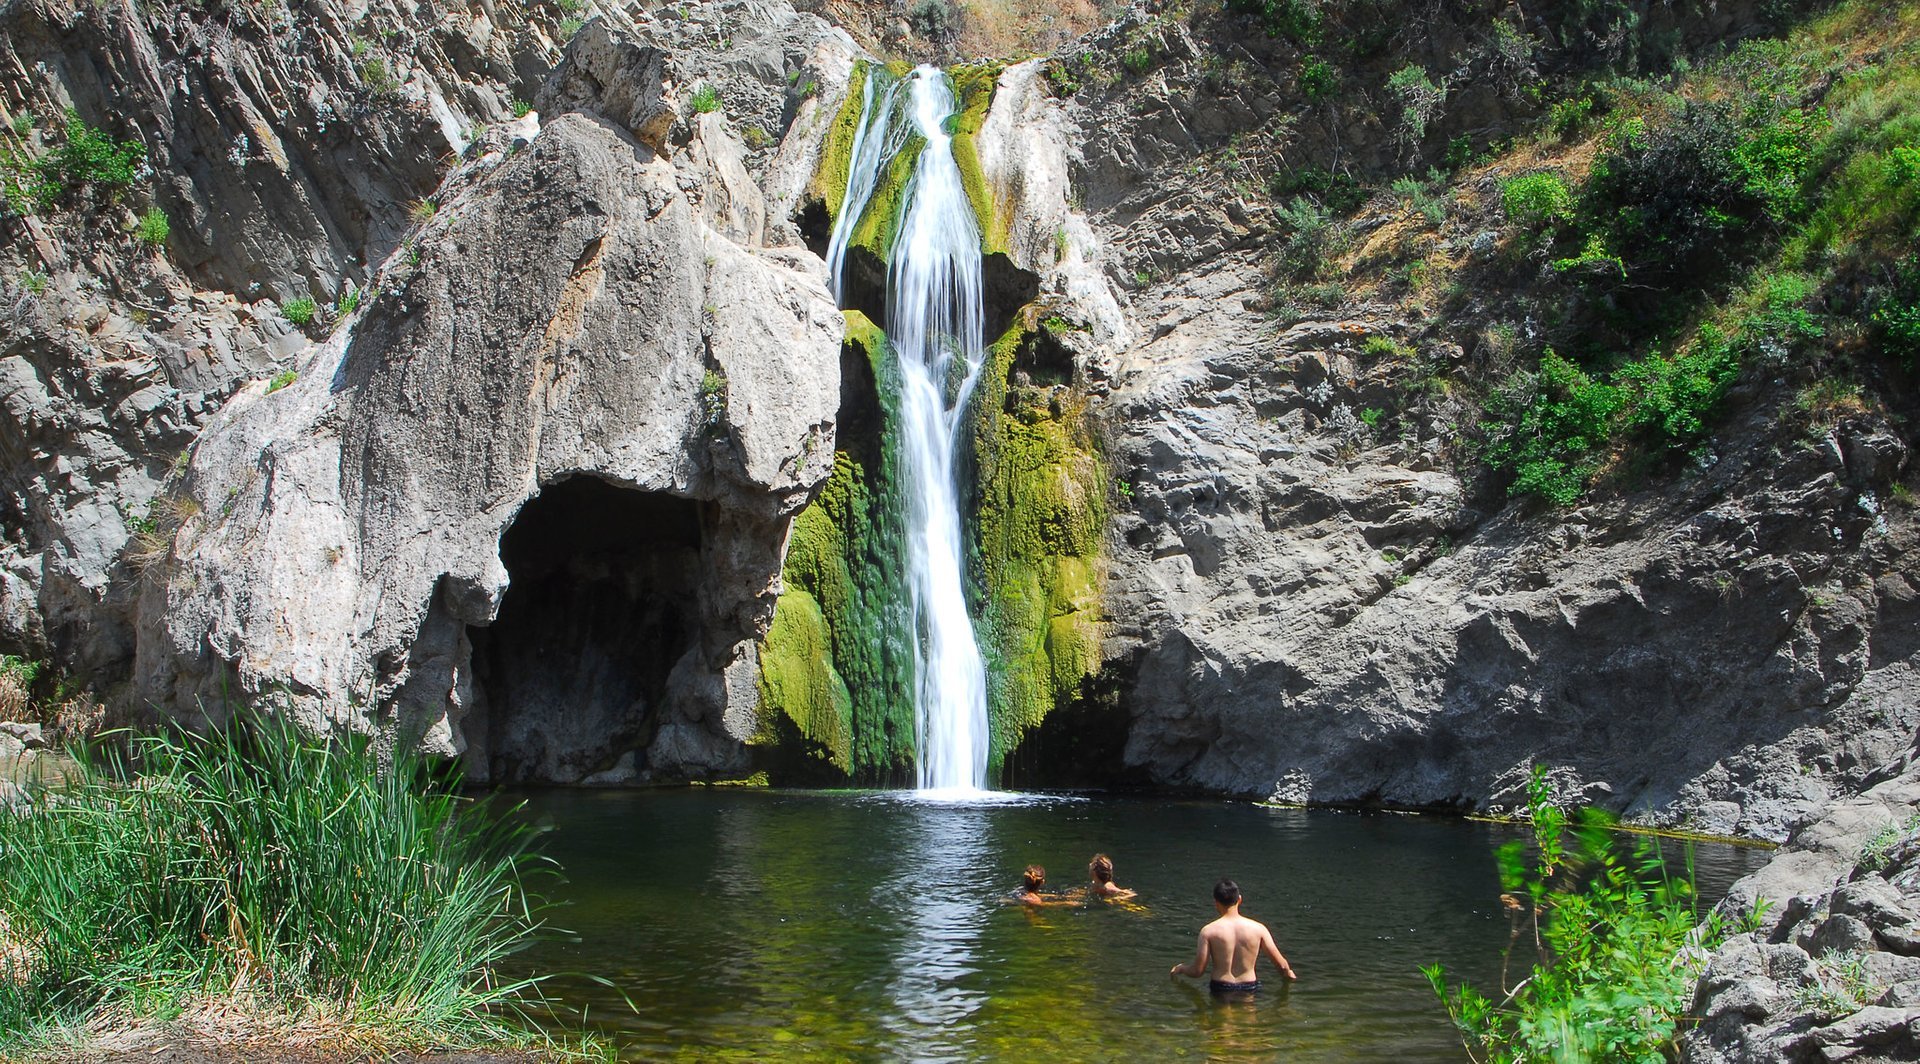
(781, 925)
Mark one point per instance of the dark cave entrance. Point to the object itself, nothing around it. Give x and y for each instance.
(601, 603)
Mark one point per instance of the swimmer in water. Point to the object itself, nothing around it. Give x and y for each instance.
(1230, 946)
(1100, 870)
(1029, 894)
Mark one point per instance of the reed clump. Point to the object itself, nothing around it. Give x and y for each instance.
(256, 864)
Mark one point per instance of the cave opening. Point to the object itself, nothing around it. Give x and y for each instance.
(601, 603)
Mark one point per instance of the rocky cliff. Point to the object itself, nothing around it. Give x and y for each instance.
(520, 482)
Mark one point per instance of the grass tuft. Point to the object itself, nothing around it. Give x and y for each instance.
(258, 864)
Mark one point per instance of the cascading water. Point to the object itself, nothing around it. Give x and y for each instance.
(935, 318)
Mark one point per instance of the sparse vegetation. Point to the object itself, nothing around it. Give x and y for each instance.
(153, 228)
(705, 99)
(299, 312)
(281, 380)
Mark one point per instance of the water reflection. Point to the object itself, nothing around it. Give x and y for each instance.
(943, 893)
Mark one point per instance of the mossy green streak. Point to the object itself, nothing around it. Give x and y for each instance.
(1040, 512)
(835, 662)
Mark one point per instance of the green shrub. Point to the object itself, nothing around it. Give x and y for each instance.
(1316, 78)
(1420, 101)
(570, 26)
(317, 875)
(1309, 231)
(85, 159)
(299, 311)
(1616, 950)
(23, 670)
(1297, 20)
(1427, 198)
(931, 19)
(154, 227)
(1536, 199)
(1673, 398)
(521, 108)
(281, 380)
(1137, 60)
(1896, 312)
(379, 78)
(713, 400)
(1571, 117)
(1553, 428)
(1340, 193)
(705, 99)
(1668, 196)
(1903, 167)
(349, 301)
(1772, 162)
(34, 281)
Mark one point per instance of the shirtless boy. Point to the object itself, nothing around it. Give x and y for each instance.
(1231, 945)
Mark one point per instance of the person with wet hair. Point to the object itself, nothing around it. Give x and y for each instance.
(1029, 894)
(1100, 871)
(1231, 946)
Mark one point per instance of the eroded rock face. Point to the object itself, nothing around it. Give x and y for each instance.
(570, 316)
(1833, 970)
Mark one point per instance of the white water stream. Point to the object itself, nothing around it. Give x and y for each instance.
(935, 317)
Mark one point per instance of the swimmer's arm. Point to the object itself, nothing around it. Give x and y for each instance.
(1123, 894)
(1273, 954)
(1198, 966)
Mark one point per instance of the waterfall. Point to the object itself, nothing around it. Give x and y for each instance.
(935, 313)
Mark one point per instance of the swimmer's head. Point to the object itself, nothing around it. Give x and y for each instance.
(1035, 876)
(1226, 893)
(1101, 868)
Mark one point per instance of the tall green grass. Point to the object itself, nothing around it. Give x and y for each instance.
(318, 877)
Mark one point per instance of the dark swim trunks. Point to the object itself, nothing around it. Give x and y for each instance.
(1222, 986)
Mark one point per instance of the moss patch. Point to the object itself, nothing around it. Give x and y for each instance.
(973, 87)
(1039, 518)
(829, 184)
(836, 666)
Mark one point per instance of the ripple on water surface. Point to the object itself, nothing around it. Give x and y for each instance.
(871, 925)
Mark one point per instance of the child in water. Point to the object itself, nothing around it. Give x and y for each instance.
(1100, 869)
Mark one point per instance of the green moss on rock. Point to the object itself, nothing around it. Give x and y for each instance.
(973, 87)
(829, 184)
(1039, 519)
(838, 645)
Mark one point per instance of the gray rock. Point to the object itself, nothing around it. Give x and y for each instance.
(1873, 901)
(1839, 934)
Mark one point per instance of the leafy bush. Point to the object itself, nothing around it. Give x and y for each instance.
(1310, 231)
(1536, 199)
(1570, 117)
(154, 227)
(1138, 60)
(1612, 932)
(1554, 427)
(299, 311)
(281, 380)
(1420, 102)
(314, 874)
(1771, 163)
(1428, 198)
(1667, 196)
(1897, 311)
(931, 19)
(1672, 398)
(713, 400)
(1297, 20)
(1316, 78)
(1338, 192)
(1903, 167)
(705, 99)
(86, 158)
